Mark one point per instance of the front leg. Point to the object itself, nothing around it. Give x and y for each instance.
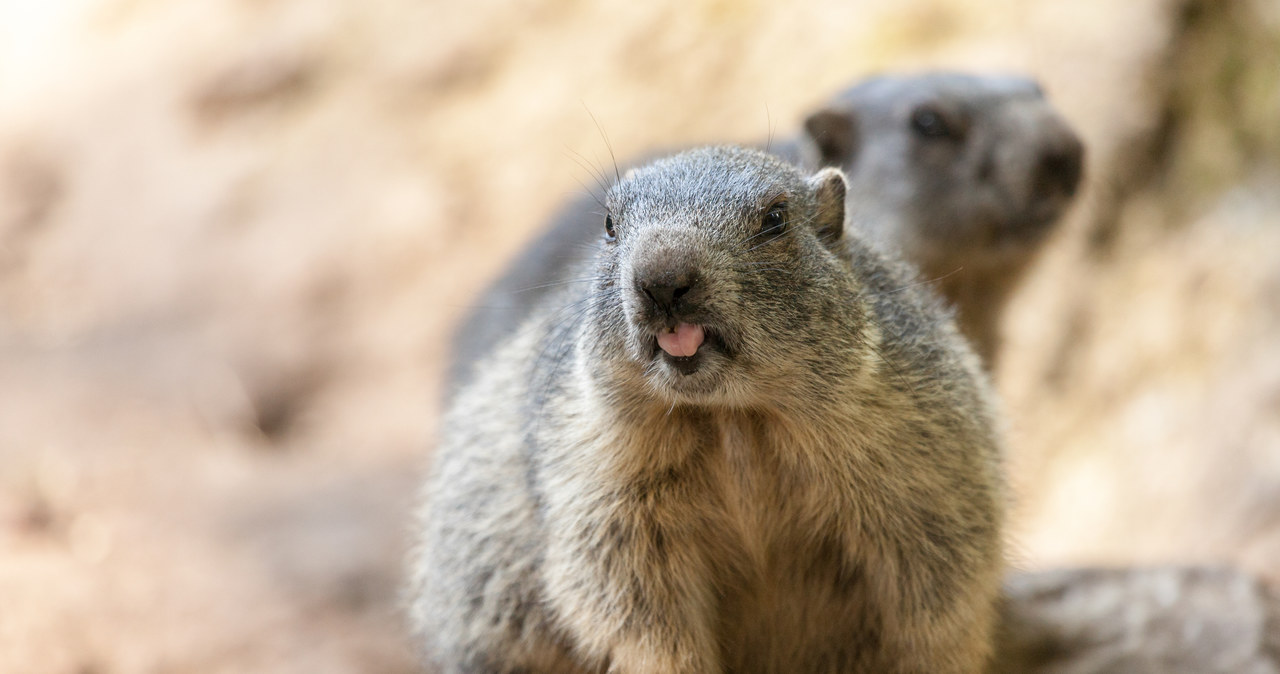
(630, 577)
(940, 598)
(957, 639)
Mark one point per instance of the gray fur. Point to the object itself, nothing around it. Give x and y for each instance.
(971, 214)
(821, 494)
(970, 208)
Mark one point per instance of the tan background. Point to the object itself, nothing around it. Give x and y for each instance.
(234, 236)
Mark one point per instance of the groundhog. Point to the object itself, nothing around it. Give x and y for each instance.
(963, 175)
(750, 443)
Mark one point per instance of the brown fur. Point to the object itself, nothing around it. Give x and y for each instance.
(822, 492)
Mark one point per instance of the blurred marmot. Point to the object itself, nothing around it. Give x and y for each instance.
(964, 175)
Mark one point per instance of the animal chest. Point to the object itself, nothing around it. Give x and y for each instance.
(797, 578)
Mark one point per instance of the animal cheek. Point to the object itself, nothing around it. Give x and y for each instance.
(638, 346)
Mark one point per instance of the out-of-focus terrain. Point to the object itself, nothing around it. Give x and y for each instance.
(234, 237)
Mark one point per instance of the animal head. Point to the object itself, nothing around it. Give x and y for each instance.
(720, 280)
(950, 167)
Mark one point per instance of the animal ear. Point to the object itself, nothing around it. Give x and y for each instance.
(829, 188)
(833, 132)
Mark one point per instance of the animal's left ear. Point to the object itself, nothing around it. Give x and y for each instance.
(829, 189)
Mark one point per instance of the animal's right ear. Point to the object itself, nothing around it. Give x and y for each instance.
(833, 132)
(829, 188)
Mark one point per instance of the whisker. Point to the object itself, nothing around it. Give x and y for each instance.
(901, 377)
(919, 283)
(595, 173)
(791, 227)
(553, 284)
(616, 173)
(766, 242)
(768, 116)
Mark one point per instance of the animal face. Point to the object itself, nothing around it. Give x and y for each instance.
(991, 164)
(715, 276)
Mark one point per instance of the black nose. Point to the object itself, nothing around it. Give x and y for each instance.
(669, 292)
(1058, 171)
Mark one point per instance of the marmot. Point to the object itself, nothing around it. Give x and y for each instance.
(752, 443)
(963, 175)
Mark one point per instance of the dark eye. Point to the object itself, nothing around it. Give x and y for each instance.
(930, 123)
(610, 234)
(775, 219)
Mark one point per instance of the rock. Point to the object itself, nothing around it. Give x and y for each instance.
(1163, 620)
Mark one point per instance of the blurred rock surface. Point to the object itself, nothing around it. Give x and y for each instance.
(1170, 620)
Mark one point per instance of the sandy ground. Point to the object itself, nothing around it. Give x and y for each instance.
(234, 237)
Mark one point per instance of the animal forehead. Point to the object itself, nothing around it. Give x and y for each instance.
(712, 181)
(961, 89)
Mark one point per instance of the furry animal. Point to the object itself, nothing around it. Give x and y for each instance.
(964, 175)
(751, 443)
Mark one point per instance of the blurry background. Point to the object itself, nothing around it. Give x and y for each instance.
(234, 237)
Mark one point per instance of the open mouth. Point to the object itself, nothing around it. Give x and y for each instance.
(684, 346)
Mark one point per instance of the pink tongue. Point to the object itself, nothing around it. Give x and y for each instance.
(683, 340)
